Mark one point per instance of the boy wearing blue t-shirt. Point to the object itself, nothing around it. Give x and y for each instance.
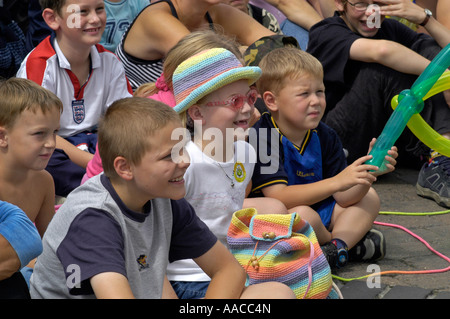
(311, 153)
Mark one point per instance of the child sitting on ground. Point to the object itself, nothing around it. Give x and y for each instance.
(115, 234)
(214, 98)
(83, 74)
(313, 169)
(29, 122)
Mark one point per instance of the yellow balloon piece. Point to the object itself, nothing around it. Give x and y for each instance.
(421, 129)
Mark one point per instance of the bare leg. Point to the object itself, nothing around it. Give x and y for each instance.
(350, 224)
(265, 205)
(268, 290)
(312, 217)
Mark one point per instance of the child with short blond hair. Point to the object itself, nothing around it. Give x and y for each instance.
(116, 233)
(29, 122)
(312, 166)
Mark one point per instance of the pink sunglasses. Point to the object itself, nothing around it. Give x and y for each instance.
(237, 101)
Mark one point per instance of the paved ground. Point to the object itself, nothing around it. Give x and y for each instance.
(404, 252)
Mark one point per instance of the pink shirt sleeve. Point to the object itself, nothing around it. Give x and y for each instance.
(94, 167)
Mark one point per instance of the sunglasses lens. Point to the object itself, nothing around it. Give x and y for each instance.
(251, 98)
(238, 102)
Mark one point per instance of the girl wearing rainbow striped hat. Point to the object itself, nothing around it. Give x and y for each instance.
(213, 96)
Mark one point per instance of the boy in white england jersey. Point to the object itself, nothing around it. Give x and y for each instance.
(85, 76)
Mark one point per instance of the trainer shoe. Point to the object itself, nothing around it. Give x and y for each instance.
(336, 258)
(371, 247)
(434, 180)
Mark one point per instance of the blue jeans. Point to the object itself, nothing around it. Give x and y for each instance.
(190, 289)
(294, 30)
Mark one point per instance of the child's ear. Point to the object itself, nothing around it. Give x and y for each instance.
(123, 168)
(51, 18)
(196, 113)
(339, 4)
(270, 101)
(3, 137)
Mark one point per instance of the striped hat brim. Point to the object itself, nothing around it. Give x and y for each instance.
(251, 74)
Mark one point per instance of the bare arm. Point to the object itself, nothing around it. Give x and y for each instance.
(415, 14)
(236, 23)
(227, 275)
(79, 157)
(442, 12)
(111, 285)
(390, 54)
(327, 7)
(300, 12)
(309, 194)
(47, 210)
(347, 187)
(154, 33)
(9, 261)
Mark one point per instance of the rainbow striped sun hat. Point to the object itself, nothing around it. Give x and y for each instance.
(206, 72)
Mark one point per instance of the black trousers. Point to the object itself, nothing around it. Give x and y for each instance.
(365, 109)
(14, 287)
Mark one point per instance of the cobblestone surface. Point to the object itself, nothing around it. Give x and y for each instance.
(403, 251)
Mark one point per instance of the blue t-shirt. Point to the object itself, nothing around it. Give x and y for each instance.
(319, 157)
(20, 232)
(322, 141)
(119, 16)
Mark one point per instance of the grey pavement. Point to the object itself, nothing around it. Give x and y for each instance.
(403, 251)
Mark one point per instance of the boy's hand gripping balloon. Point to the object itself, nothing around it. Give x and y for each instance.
(406, 107)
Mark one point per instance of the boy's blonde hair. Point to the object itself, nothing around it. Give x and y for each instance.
(286, 63)
(126, 128)
(18, 95)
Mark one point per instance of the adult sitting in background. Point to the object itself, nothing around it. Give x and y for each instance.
(261, 15)
(162, 24)
(297, 17)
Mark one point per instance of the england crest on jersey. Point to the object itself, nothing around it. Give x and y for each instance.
(78, 111)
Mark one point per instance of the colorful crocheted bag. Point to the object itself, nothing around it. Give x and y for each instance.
(280, 247)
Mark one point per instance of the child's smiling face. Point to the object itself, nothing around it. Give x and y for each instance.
(83, 21)
(364, 22)
(219, 114)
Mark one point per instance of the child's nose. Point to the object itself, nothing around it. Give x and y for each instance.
(247, 107)
(50, 142)
(93, 17)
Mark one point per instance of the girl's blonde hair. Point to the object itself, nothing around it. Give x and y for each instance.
(131, 138)
(18, 95)
(286, 63)
(193, 43)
